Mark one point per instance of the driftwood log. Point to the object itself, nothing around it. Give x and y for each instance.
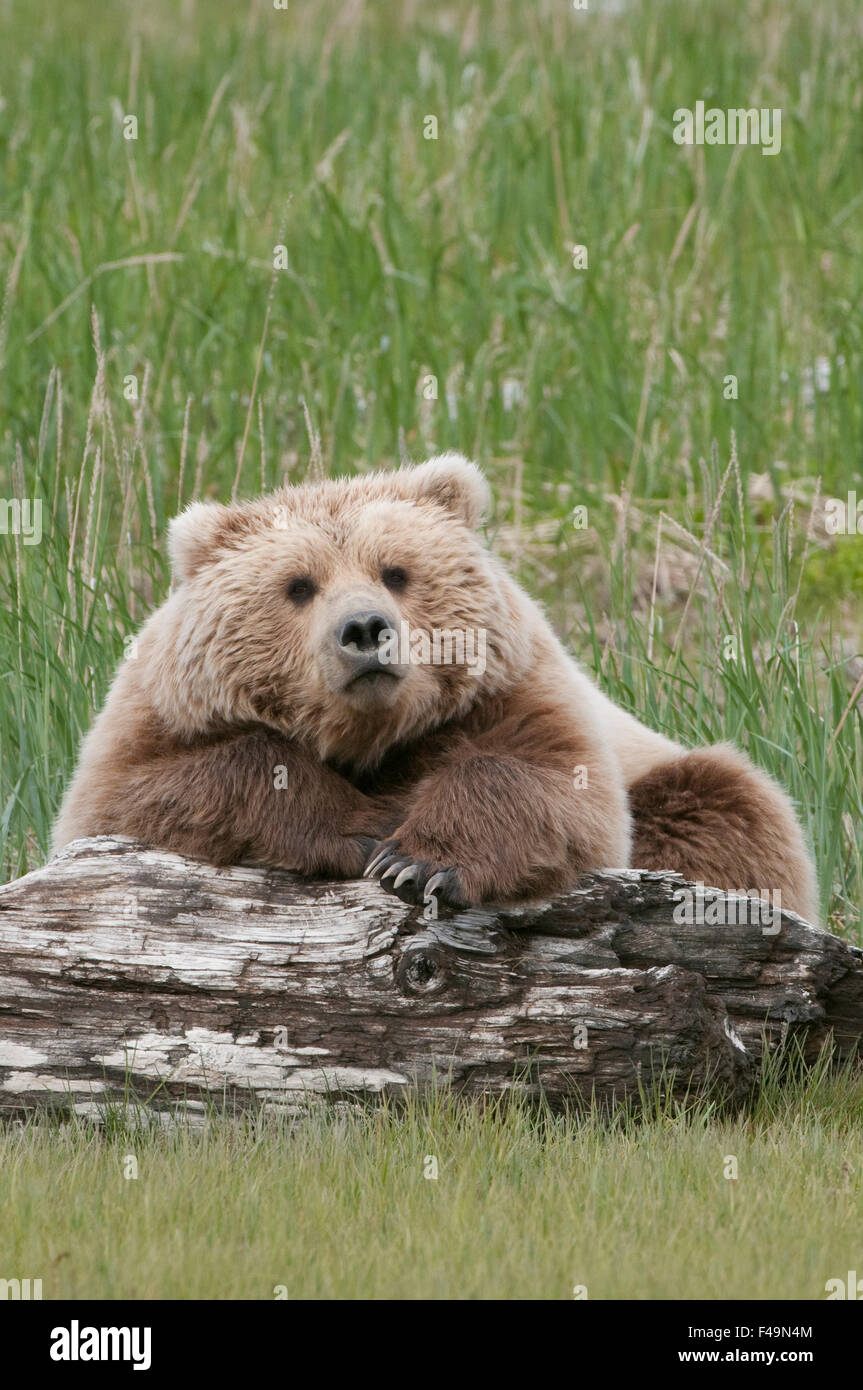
(126, 973)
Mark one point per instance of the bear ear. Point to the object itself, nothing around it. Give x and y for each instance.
(194, 536)
(454, 483)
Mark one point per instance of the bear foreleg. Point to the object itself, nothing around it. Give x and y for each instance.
(253, 797)
(514, 815)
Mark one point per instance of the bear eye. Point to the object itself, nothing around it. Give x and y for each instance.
(301, 589)
(394, 577)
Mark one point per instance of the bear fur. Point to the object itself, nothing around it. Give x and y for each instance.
(257, 721)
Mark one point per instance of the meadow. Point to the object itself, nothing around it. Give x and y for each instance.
(241, 245)
(516, 1206)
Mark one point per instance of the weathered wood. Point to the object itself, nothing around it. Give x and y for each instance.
(129, 972)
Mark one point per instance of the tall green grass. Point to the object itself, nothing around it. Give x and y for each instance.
(409, 257)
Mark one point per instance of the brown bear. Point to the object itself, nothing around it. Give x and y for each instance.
(344, 679)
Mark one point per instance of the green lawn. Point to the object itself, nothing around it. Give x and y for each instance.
(521, 1208)
(154, 347)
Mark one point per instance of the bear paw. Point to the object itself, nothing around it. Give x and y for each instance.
(415, 881)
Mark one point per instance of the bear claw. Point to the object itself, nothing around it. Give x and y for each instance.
(413, 880)
(445, 885)
(387, 854)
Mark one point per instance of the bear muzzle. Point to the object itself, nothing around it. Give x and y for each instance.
(359, 659)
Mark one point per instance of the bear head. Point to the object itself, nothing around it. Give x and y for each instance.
(351, 614)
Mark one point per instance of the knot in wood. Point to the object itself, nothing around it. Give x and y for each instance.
(422, 970)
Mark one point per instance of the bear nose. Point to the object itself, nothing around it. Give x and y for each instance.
(362, 632)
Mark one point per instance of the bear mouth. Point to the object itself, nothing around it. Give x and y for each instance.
(372, 686)
(374, 676)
